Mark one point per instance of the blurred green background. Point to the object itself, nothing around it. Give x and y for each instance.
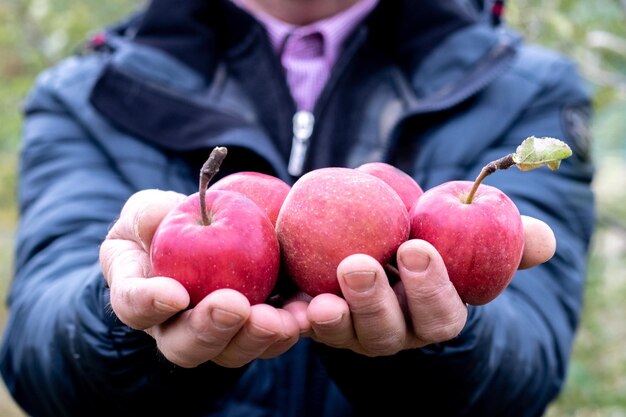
(36, 33)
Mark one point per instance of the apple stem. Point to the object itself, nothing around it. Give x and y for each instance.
(505, 162)
(207, 172)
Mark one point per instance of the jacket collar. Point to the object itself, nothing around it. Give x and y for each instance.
(186, 102)
(196, 31)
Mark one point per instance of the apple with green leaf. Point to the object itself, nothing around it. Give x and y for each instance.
(477, 228)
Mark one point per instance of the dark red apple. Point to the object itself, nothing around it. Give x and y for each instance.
(407, 188)
(229, 242)
(266, 191)
(481, 242)
(331, 213)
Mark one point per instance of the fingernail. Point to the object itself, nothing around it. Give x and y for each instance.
(165, 307)
(360, 281)
(225, 319)
(415, 260)
(330, 322)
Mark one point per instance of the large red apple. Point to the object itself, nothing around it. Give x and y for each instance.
(481, 242)
(229, 242)
(268, 192)
(331, 213)
(407, 188)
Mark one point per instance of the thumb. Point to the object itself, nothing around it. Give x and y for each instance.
(540, 243)
(141, 215)
(436, 310)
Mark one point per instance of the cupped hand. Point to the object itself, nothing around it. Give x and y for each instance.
(223, 327)
(376, 318)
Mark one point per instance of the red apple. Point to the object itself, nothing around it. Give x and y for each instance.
(331, 213)
(227, 242)
(481, 242)
(266, 191)
(407, 188)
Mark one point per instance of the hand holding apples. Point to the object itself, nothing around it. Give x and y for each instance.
(375, 317)
(223, 327)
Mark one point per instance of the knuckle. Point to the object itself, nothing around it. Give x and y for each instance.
(105, 258)
(208, 342)
(236, 356)
(132, 306)
(229, 362)
(439, 334)
(261, 335)
(136, 222)
(383, 345)
(112, 252)
(430, 293)
(178, 358)
(444, 329)
(137, 199)
(368, 308)
(208, 339)
(120, 299)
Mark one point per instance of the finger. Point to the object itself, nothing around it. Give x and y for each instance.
(436, 310)
(141, 303)
(292, 335)
(540, 243)
(142, 214)
(138, 302)
(376, 315)
(266, 327)
(331, 323)
(202, 333)
(297, 306)
(123, 259)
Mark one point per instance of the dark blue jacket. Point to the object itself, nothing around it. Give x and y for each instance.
(424, 85)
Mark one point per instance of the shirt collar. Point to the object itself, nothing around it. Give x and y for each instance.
(334, 29)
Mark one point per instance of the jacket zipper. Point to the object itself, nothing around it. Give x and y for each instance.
(303, 123)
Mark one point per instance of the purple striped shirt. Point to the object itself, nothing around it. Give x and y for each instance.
(309, 52)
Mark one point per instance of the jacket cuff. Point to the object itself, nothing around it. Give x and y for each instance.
(127, 362)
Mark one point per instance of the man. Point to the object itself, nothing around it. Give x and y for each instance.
(428, 86)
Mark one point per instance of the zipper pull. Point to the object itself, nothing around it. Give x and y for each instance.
(303, 122)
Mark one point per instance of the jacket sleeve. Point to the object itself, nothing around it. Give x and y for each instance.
(64, 352)
(512, 356)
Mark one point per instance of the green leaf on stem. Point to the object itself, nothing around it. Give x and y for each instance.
(537, 152)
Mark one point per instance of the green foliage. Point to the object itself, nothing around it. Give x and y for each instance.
(596, 383)
(594, 35)
(535, 152)
(34, 34)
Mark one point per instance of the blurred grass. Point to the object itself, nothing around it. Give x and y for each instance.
(596, 383)
(33, 35)
(8, 218)
(36, 33)
(7, 406)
